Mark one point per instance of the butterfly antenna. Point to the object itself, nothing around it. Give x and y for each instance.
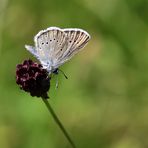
(63, 73)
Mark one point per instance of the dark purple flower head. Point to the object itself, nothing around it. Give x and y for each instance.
(32, 78)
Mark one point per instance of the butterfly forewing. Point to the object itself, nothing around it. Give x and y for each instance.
(76, 40)
(51, 44)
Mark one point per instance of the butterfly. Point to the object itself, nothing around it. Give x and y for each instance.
(55, 46)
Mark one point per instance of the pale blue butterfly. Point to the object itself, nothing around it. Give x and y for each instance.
(55, 46)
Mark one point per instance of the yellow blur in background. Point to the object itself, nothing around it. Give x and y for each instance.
(104, 102)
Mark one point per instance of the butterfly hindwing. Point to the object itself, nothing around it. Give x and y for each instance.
(32, 50)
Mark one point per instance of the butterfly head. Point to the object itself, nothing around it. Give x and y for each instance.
(47, 65)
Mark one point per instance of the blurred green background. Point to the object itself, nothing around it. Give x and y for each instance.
(104, 103)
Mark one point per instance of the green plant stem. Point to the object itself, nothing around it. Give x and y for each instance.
(58, 122)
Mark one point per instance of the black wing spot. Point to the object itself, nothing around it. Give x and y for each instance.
(74, 40)
(50, 40)
(53, 39)
(57, 41)
(61, 49)
(69, 41)
(46, 42)
(78, 32)
(42, 43)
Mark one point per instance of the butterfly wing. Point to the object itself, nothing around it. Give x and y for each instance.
(32, 50)
(55, 46)
(50, 45)
(76, 40)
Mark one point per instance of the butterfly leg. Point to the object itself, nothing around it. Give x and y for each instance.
(57, 83)
(56, 72)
